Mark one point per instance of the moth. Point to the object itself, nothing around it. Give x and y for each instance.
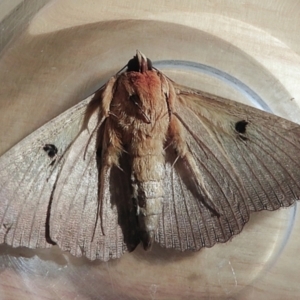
(146, 160)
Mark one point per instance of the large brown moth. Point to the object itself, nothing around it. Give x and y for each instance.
(146, 160)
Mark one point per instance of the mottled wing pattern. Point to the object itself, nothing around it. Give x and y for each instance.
(243, 171)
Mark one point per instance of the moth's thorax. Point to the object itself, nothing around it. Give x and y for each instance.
(140, 112)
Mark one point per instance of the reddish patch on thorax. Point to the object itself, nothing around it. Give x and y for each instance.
(147, 82)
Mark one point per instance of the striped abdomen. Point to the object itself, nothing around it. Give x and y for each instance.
(147, 183)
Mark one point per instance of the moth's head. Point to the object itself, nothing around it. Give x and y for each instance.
(140, 91)
(139, 63)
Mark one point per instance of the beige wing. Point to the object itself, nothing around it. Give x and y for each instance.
(249, 160)
(49, 189)
(90, 213)
(26, 179)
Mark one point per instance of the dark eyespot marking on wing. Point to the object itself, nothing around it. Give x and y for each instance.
(50, 149)
(240, 127)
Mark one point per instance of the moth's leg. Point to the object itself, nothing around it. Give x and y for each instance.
(169, 92)
(111, 149)
(101, 104)
(177, 137)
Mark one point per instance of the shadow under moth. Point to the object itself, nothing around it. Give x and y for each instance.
(146, 160)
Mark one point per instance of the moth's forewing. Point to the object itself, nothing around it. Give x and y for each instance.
(28, 175)
(265, 156)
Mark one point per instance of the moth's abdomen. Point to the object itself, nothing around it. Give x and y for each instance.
(148, 193)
